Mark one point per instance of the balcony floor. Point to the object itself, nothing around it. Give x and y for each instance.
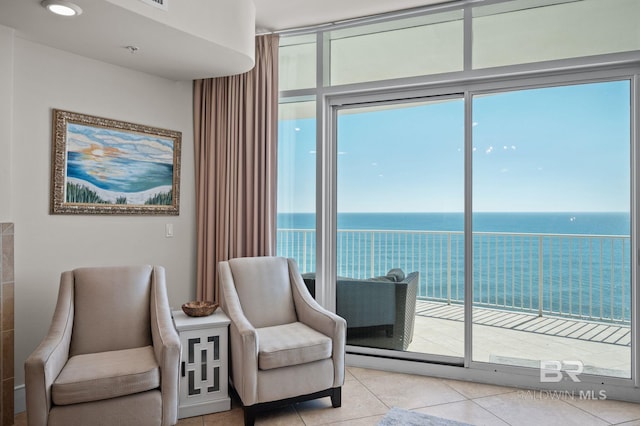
(522, 339)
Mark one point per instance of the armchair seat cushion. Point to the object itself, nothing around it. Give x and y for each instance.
(291, 344)
(103, 375)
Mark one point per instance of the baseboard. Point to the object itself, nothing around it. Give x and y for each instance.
(19, 399)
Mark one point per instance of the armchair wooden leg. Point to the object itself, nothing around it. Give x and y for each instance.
(249, 416)
(251, 410)
(336, 397)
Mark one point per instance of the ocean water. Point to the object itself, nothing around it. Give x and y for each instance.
(572, 264)
(547, 223)
(120, 175)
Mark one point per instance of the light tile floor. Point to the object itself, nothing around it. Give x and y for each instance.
(368, 394)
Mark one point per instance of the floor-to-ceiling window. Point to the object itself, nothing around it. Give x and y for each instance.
(296, 222)
(500, 172)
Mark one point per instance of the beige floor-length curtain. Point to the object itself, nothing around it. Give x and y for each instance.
(235, 137)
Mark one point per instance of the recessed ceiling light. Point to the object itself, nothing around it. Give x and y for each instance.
(62, 8)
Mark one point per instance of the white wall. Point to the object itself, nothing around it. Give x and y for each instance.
(46, 245)
(6, 101)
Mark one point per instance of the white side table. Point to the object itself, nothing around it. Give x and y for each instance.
(204, 368)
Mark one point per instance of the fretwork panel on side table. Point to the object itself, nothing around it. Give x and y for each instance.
(204, 373)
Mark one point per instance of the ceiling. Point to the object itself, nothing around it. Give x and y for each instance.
(193, 39)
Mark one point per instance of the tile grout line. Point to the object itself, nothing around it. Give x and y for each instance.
(604, 420)
(489, 411)
(588, 413)
(356, 418)
(371, 392)
(473, 400)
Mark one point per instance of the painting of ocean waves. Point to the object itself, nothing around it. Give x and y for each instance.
(111, 166)
(118, 174)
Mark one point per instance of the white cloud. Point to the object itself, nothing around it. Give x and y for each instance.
(140, 147)
(78, 142)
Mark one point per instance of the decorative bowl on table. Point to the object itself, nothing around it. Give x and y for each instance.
(199, 308)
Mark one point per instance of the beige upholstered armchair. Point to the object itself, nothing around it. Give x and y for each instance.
(285, 347)
(111, 356)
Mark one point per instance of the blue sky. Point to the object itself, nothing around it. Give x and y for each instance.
(137, 146)
(552, 149)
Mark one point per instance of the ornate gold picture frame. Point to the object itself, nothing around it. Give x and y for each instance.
(104, 166)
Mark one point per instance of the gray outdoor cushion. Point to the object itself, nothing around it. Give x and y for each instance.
(383, 278)
(397, 274)
(394, 275)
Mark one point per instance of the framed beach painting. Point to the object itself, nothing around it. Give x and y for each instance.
(103, 166)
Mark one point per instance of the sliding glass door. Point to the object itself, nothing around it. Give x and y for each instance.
(400, 241)
(550, 219)
(551, 228)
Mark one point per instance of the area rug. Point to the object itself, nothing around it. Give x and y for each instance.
(400, 417)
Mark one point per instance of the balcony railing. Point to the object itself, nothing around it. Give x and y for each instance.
(576, 276)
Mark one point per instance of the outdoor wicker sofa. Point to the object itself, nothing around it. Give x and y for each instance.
(380, 311)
